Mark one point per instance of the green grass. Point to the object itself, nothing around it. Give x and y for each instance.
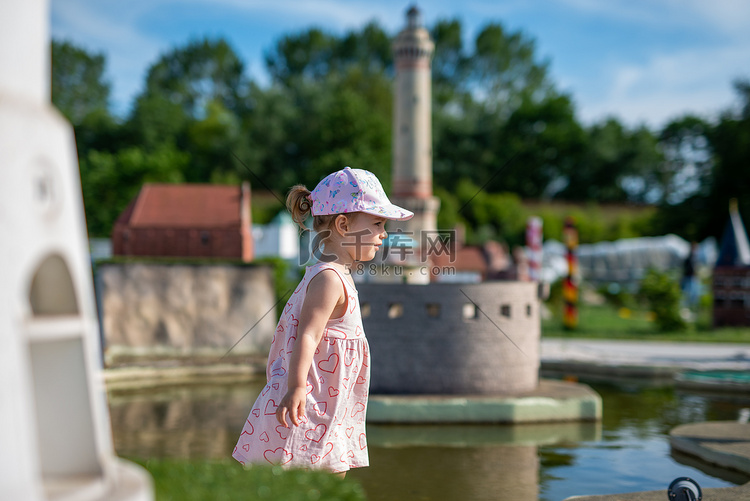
(607, 322)
(227, 480)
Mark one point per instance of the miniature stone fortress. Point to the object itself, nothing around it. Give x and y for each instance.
(453, 338)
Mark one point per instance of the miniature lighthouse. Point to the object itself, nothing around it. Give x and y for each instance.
(412, 137)
(440, 338)
(54, 425)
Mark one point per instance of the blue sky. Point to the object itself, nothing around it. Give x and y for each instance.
(642, 61)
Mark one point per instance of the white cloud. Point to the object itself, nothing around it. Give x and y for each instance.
(730, 17)
(669, 85)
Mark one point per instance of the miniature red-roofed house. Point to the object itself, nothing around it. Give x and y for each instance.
(186, 220)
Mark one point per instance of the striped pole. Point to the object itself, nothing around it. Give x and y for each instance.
(534, 244)
(570, 283)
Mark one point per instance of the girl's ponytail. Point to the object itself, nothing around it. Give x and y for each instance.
(299, 204)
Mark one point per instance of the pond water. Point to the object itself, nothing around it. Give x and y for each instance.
(628, 451)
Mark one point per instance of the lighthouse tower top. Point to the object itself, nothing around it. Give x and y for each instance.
(413, 47)
(414, 17)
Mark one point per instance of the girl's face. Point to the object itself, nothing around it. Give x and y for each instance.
(365, 236)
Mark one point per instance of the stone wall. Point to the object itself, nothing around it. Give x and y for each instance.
(431, 339)
(187, 309)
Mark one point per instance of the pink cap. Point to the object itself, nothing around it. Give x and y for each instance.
(354, 190)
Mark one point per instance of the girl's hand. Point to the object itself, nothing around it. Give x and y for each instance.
(293, 403)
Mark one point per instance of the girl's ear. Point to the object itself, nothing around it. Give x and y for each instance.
(341, 224)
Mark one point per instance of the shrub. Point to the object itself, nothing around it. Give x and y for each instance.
(662, 294)
(617, 296)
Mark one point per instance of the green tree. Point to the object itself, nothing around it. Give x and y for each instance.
(717, 156)
(81, 93)
(495, 104)
(305, 55)
(686, 168)
(155, 120)
(314, 54)
(449, 64)
(341, 120)
(196, 98)
(615, 164)
(329, 106)
(547, 143)
(197, 74)
(730, 141)
(110, 181)
(213, 143)
(78, 85)
(504, 70)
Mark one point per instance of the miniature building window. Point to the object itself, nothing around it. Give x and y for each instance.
(395, 310)
(470, 311)
(205, 237)
(52, 291)
(505, 310)
(433, 310)
(365, 309)
(528, 310)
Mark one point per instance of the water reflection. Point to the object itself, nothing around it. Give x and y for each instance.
(628, 451)
(188, 423)
(477, 462)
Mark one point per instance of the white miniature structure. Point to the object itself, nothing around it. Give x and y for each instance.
(54, 424)
(279, 238)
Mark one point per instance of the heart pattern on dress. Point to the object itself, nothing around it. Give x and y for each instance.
(320, 408)
(244, 430)
(270, 408)
(330, 364)
(358, 407)
(283, 431)
(316, 434)
(284, 456)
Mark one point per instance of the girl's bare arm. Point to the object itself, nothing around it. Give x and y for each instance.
(325, 293)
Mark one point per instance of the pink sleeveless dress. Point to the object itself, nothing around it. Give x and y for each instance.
(332, 435)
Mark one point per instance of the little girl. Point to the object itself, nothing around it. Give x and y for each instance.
(318, 368)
